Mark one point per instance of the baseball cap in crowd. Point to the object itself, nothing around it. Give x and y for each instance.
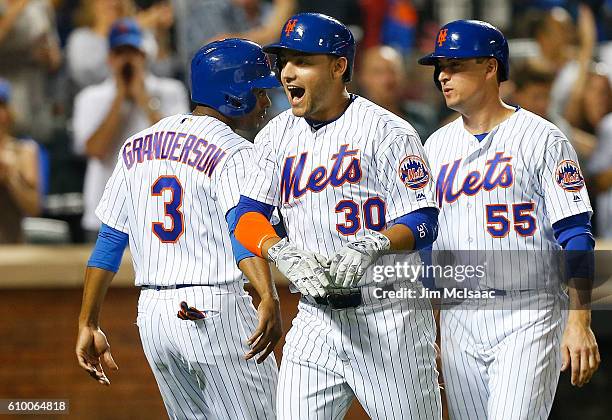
(125, 32)
(5, 91)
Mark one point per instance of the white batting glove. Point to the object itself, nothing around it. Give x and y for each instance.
(302, 268)
(350, 263)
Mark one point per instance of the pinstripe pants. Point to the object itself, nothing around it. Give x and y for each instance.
(199, 365)
(381, 353)
(501, 360)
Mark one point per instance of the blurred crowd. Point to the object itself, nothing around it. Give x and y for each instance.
(77, 77)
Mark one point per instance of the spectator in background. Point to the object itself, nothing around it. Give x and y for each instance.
(264, 23)
(348, 12)
(29, 52)
(159, 19)
(566, 49)
(87, 46)
(399, 27)
(19, 177)
(201, 21)
(532, 88)
(532, 91)
(390, 22)
(554, 32)
(130, 100)
(382, 79)
(373, 16)
(589, 101)
(598, 112)
(256, 11)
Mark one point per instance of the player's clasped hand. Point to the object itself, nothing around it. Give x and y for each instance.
(302, 268)
(92, 346)
(351, 261)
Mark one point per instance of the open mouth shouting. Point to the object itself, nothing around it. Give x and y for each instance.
(295, 94)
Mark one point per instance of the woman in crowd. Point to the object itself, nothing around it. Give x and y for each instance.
(19, 177)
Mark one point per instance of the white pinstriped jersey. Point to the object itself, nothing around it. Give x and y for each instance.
(362, 170)
(504, 193)
(172, 186)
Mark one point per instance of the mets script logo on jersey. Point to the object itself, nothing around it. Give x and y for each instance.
(442, 37)
(413, 172)
(498, 174)
(569, 176)
(319, 179)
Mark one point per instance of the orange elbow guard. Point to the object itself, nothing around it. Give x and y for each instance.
(252, 230)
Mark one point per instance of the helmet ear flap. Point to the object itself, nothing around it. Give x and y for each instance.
(239, 105)
(233, 101)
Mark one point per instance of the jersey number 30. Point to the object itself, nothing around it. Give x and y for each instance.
(373, 215)
(172, 209)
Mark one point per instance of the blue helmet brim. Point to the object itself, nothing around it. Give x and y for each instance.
(432, 59)
(278, 47)
(268, 82)
(274, 48)
(429, 60)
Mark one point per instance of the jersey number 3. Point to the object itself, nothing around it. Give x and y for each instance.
(172, 209)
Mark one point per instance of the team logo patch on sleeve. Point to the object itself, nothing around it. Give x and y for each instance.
(413, 172)
(569, 176)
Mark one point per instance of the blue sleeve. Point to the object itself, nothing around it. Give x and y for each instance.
(574, 235)
(240, 252)
(424, 225)
(109, 249)
(246, 205)
(572, 226)
(426, 258)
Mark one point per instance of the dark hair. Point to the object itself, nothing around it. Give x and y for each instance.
(526, 74)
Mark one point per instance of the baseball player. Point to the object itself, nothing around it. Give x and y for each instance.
(506, 179)
(351, 182)
(172, 189)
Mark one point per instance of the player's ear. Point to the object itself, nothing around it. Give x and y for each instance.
(339, 66)
(492, 68)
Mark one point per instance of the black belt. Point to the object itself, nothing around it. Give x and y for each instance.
(174, 286)
(498, 292)
(340, 301)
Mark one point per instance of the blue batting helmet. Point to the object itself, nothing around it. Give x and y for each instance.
(224, 73)
(470, 39)
(315, 33)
